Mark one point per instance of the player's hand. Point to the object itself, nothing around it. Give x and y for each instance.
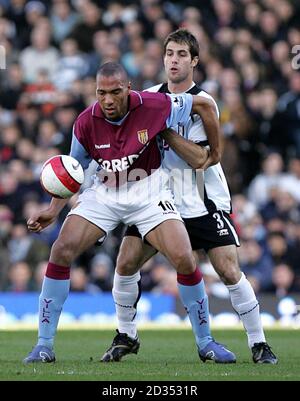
(212, 159)
(40, 220)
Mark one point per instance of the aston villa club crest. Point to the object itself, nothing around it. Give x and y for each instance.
(143, 136)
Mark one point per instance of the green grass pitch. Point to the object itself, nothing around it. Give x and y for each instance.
(164, 355)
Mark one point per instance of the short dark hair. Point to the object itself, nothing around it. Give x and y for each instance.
(183, 36)
(111, 68)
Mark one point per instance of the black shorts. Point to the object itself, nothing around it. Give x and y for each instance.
(206, 232)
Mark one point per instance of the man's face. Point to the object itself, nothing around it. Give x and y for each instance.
(178, 62)
(112, 94)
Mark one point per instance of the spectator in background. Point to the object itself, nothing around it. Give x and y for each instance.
(38, 275)
(283, 280)
(15, 11)
(162, 28)
(101, 273)
(13, 87)
(266, 118)
(256, 264)
(40, 55)
(272, 172)
(8, 141)
(132, 29)
(89, 24)
(23, 247)
(9, 192)
(288, 117)
(49, 135)
(24, 174)
(79, 280)
(280, 56)
(41, 93)
(7, 29)
(148, 76)
(225, 14)
(252, 14)
(281, 251)
(150, 12)
(283, 204)
(270, 28)
(154, 51)
(19, 278)
(63, 19)
(94, 57)
(292, 180)
(25, 149)
(71, 66)
(35, 12)
(111, 52)
(244, 210)
(28, 119)
(134, 59)
(164, 279)
(64, 118)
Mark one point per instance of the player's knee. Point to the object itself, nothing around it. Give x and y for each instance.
(184, 261)
(63, 251)
(126, 267)
(231, 275)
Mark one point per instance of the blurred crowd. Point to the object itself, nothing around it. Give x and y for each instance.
(52, 52)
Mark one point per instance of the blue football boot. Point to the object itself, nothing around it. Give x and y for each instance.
(216, 352)
(40, 353)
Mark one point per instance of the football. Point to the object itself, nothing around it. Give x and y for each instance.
(62, 176)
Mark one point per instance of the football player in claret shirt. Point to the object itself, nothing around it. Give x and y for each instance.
(205, 213)
(120, 131)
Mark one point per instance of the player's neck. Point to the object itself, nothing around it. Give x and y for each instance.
(181, 86)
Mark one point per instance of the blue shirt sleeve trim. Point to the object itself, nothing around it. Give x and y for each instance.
(79, 152)
(181, 109)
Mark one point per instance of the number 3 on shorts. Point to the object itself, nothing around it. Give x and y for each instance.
(220, 223)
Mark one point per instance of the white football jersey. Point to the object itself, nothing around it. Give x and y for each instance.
(197, 193)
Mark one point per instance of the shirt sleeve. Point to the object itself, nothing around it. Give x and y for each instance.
(207, 96)
(79, 152)
(181, 108)
(195, 130)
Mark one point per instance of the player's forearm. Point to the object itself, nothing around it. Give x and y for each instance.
(57, 205)
(192, 153)
(206, 110)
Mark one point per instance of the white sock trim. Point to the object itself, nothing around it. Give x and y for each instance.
(235, 286)
(126, 280)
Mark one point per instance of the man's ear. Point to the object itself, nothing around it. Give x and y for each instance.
(195, 61)
(129, 86)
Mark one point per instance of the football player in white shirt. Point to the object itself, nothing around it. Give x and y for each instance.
(205, 211)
